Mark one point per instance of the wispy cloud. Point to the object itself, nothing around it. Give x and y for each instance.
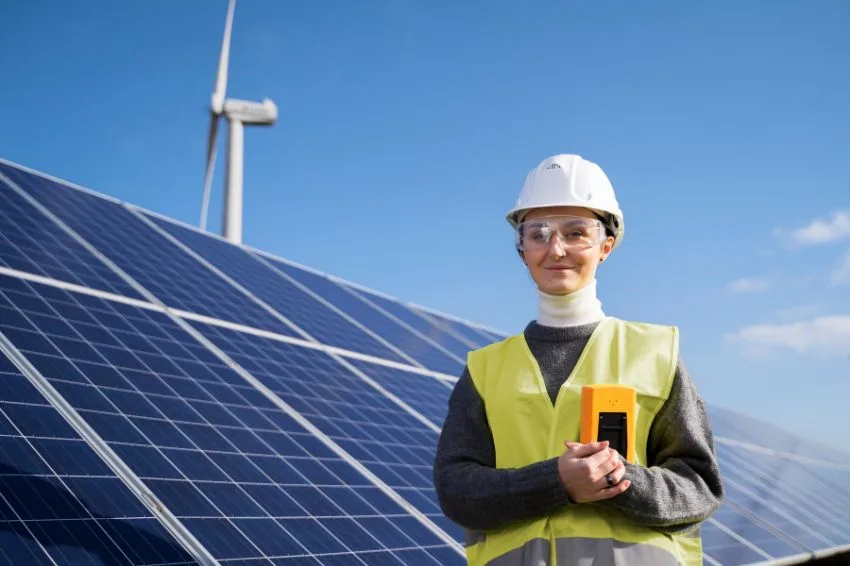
(819, 231)
(748, 285)
(800, 311)
(841, 274)
(827, 336)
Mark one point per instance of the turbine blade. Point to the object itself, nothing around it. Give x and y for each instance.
(211, 151)
(221, 78)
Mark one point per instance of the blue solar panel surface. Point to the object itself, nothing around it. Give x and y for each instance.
(59, 502)
(243, 477)
(427, 395)
(299, 307)
(814, 494)
(30, 243)
(747, 429)
(394, 445)
(252, 484)
(406, 340)
(175, 278)
(417, 322)
(465, 332)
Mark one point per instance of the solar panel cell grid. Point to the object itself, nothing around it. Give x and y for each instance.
(59, 502)
(418, 323)
(467, 333)
(299, 307)
(408, 341)
(427, 395)
(800, 494)
(31, 243)
(163, 269)
(243, 477)
(390, 442)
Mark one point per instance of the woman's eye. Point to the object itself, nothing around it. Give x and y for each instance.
(538, 236)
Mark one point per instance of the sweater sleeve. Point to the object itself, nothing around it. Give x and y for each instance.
(471, 491)
(681, 485)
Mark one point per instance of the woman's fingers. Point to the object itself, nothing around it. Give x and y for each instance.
(616, 472)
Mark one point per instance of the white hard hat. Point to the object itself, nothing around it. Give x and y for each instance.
(569, 180)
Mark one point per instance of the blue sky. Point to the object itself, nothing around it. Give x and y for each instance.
(406, 129)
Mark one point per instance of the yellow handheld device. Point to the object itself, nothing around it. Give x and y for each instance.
(608, 412)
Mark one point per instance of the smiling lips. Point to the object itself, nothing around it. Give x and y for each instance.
(558, 267)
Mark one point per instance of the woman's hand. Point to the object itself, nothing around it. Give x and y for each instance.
(584, 469)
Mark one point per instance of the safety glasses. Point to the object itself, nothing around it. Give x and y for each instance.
(576, 232)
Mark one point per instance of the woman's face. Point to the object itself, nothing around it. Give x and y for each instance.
(565, 264)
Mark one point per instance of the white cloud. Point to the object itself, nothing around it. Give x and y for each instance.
(827, 336)
(841, 273)
(748, 285)
(820, 231)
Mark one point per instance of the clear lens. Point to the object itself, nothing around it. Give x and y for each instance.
(576, 232)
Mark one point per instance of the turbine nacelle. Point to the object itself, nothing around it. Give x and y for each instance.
(251, 113)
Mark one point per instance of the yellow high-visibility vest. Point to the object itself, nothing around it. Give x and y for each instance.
(527, 428)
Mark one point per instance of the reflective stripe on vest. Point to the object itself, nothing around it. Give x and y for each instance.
(527, 428)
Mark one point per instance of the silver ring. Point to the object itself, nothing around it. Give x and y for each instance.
(610, 480)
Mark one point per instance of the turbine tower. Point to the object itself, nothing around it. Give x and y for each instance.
(238, 113)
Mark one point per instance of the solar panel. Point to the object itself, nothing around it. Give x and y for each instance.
(242, 476)
(59, 502)
(279, 416)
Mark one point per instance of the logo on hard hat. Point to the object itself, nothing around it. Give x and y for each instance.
(552, 166)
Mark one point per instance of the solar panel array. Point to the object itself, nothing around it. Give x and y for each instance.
(169, 398)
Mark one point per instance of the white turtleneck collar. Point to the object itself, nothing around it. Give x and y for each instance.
(575, 309)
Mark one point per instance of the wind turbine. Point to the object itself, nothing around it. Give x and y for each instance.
(237, 113)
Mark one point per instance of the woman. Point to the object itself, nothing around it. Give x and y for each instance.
(509, 467)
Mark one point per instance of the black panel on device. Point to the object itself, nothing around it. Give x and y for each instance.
(612, 427)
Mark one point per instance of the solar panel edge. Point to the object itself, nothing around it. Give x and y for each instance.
(136, 486)
(59, 180)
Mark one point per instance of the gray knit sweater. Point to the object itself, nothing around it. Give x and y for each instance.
(678, 489)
